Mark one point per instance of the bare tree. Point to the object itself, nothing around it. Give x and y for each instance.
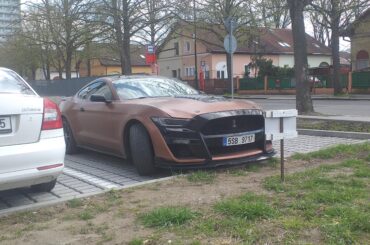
(68, 25)
(123, 19)
(303, 95)
(212, 16)
(275, 13)
(335, 16)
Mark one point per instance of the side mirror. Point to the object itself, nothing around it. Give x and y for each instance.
(99, 98)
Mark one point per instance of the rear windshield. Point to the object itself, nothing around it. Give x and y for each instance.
(143, 87)
(11, 83)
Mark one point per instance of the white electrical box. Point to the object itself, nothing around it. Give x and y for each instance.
(273, 128)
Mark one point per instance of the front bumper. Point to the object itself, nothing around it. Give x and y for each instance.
(214, 163)
(199, 143)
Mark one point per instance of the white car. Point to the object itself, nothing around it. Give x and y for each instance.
(32, 146)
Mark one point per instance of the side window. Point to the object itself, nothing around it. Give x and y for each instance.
(105, 91)
(99, 87)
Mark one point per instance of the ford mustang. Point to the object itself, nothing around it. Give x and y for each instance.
(161, 122)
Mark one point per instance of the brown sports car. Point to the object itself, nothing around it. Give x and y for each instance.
(161, 122)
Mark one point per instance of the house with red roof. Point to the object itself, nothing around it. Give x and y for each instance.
(176, 58)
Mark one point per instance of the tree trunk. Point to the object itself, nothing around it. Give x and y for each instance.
(68, 64)
(126, 38)
(335, 52)
(303, 94)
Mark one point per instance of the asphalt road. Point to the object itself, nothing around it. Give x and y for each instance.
(329, 107)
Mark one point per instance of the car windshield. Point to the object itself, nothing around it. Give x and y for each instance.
(11, 83)
(143, 87)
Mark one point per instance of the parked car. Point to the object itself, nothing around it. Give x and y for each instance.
(32, 146)
(160, 122)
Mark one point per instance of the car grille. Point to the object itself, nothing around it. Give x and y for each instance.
(234, 124)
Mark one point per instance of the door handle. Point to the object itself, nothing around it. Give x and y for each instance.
(82, 109)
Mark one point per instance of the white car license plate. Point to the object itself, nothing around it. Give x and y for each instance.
(5, 125)
(238, 140)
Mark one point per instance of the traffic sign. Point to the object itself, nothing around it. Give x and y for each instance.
(230, 24)
(230, 44)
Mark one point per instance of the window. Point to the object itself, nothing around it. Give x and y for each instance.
(174, 73)
(176, 47)
(189, 71)
(362, 60)
(187, 47)
(220, 74)
(100, 88)
(284, 44)
(10, 82)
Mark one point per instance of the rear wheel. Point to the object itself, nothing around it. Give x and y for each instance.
(44, 187)
(71, 146)
(141, 150)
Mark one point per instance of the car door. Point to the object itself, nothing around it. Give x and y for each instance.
(95, 118)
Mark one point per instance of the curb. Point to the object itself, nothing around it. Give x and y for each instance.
(36, 206)
(338, 134)
(281, 98)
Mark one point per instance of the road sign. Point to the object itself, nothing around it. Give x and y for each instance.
(230, 44)
(150, 49)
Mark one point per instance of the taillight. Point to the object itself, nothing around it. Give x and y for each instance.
(52, 118)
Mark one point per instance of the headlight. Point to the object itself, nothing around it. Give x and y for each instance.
(170, 122)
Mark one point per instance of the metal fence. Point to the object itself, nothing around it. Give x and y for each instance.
(361, 80)
(256, 83)
(65, 87)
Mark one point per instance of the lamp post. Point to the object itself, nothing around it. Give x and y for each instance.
(195, 48)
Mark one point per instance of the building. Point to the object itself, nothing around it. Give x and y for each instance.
(104, 60)
(10, 15)
(176, 56)
(359, 32)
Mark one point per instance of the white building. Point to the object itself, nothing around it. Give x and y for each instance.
(10, 15)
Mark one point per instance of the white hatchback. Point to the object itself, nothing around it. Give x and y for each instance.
(32, 146)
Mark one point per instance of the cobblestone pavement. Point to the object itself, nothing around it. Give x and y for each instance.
(90, 173)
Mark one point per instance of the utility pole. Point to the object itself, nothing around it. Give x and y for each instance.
(195, 48)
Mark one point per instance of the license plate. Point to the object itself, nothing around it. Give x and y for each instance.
(5, 125)
(238, 140)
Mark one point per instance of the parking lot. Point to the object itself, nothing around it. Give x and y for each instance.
(89, 173)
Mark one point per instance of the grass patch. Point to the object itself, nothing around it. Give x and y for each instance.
(333, 152)
(136, 241)
(167, 216)
(206, 177)
(363, 127)
(248, 206)
(74, 203)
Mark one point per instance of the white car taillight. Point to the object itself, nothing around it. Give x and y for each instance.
(52, 118)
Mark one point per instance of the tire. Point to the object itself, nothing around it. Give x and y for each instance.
(71, 146)
(44, 187)
(141, 150)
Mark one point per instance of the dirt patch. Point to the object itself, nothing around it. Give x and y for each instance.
(113, 219)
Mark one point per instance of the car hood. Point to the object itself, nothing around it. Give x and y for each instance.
(190, 106)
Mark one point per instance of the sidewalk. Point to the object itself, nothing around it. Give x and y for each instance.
(314, 97)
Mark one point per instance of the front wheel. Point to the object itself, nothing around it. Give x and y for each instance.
(141, 150)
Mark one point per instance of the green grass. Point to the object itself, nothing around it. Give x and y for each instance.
(248, 206)
(333, 126)
(74, 203)
(332, 152)
(167, 216)
(206, 177)
(136, 241)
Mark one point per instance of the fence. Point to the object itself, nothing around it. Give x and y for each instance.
(65, 87)
(361, 80)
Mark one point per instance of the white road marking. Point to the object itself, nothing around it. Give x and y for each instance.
(89, 178)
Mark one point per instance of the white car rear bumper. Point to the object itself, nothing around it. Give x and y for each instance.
(48, 153)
